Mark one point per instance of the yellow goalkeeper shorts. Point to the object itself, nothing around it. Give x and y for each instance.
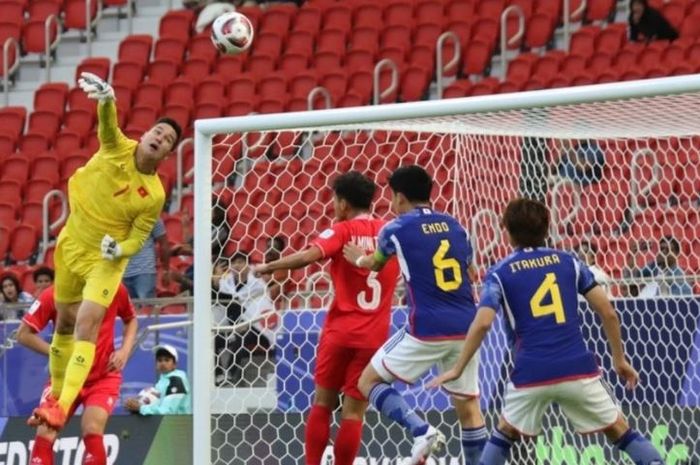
(82, 273)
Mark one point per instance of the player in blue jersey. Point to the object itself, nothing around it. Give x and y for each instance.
(538, 289)
(435, 257)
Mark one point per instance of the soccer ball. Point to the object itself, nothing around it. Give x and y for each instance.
(232, 33)
(148, 396)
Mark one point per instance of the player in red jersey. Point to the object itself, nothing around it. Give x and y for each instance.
(101, 389)
(358, 318)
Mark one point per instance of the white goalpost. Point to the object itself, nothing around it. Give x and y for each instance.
(619, 166)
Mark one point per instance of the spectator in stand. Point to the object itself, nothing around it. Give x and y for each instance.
(172, 386)
(587, 254)
(220, 229)
(12, 293)
(251, 295)
(647, 23)
(140, 275)
(275, 282)
(43, 278)
(581, 161)
(670, 277)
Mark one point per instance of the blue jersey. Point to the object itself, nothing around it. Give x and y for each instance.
(538, 289)
(434, 253)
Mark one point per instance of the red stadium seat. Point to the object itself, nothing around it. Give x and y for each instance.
(260, 65)
(301, 84)
(12, 120)
(23, 243)
(15, 168)
(338, 16)
(573, 64)
(5, 232)
(45, 173)
(490, 9)
(51, 97)
(546, 67)
(10, 194)
(176, 24)
(142, 117)
(12, 10)
(128, 74)
(457, 10)
(600, 62)
(610, 40)
(162, 71)
(539, 31)
(360, 83)
(268, 44)
(210, 90)
(195, 69)
(414, 84)
(7, 145)
(42, 9)
(170, 49)
(369, 15)
(476, 58)
(327, 60)
(484, 87)
(44, 122)
(34, 36)
(308, 19)
(520, 68)
(207, 110)
(150, 94)
(292, 63)
(79, 121)
(583, 41)
(600, 10)
(200, 48)
(136, 48)
(691, 26)
(273, 87)
(241, 88)
(459, 88)
(330, 40)
(67, 142)
(74, 14)
(181, 91)
(97, 65)
(675, 14)
(33, 144)
(300, 42)
(275, 21)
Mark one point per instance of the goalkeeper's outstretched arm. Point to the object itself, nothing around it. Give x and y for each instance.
(96, 88)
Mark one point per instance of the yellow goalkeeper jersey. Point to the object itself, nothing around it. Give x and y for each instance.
(109, 195)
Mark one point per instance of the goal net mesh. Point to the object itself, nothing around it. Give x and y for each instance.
(622, 179)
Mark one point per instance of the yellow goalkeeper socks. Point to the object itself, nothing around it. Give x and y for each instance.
(59, 354)
(76, 372)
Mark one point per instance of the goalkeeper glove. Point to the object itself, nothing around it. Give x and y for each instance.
(95, 87)
(111, 250)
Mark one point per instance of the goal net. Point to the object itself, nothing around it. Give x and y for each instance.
(619, 166)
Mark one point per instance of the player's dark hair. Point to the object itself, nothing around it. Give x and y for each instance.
(173, 124)
(413, 182)
(356, 189)
(43, 271)
(673, 243)
(527, 222)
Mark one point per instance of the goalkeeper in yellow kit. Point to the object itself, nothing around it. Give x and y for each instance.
(115, 200)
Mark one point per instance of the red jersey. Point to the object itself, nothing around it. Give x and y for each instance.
(360, 313)
(43, 311)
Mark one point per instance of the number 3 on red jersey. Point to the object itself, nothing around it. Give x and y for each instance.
(370, 298)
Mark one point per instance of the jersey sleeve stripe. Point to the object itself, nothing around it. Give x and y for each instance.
(31, 324)
(402, 260)
(506, 307)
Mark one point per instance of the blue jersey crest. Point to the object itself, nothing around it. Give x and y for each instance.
(434, 254)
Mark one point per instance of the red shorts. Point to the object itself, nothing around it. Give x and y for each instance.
(339, 367)
(103, 393)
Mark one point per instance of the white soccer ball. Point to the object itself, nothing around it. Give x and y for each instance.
(148, 396)
(232, 33)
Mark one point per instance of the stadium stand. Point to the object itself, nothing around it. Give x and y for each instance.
(335, 45)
